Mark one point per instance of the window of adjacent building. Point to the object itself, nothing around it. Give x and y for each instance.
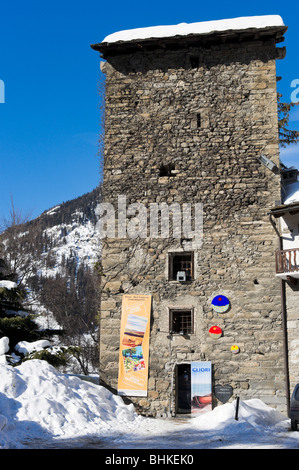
(181, 321)
(181, 266)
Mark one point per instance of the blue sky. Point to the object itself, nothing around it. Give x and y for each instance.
(50, 120)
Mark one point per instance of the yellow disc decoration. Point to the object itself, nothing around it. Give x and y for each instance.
(235, 349)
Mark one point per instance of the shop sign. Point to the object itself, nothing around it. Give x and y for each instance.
(223, 392)
(201, 387)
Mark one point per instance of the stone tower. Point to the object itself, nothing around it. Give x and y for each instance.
(190, 110)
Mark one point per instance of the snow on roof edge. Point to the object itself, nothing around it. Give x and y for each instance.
(292, 193)
(205, 27)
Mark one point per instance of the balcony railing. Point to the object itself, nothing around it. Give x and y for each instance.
(287, 261)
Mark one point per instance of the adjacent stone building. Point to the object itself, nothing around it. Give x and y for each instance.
(285, 221)
(189, 112)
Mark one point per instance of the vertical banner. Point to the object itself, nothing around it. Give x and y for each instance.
(134, 345)
(201, 387)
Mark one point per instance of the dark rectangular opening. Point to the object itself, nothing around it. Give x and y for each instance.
(181, 321)
(181, 263)
(167, 170)
(198, 118)
(183, 388)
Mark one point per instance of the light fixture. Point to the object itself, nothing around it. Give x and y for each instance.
(268, 164)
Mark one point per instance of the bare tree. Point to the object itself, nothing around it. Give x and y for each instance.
(16, 254)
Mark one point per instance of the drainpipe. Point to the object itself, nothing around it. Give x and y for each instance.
(284, 325)
(285, 342)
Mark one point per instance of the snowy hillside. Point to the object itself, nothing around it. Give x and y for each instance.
(74, 241)
(57, 242)
(67, 236)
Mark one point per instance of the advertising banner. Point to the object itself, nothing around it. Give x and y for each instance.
(201, 387)
(134, 345)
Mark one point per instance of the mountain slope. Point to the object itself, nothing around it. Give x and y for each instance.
(54, 256)
(64, 237)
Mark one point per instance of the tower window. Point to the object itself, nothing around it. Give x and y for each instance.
(198, 118)
(166, 170)
(181, 321)
(181, 263)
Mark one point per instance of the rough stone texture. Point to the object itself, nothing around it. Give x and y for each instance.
(292, 331)
(152, 102)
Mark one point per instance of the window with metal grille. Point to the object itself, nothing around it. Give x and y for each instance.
(181, 263)
(181, 321)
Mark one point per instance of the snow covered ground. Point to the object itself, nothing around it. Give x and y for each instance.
(41, 408)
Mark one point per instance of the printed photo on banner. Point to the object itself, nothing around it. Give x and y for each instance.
(134, 330)
(133, 359)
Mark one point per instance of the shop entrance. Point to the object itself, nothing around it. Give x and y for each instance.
(183, 388)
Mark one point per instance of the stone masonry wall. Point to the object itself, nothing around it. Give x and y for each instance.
(292, 328)
(154, 102)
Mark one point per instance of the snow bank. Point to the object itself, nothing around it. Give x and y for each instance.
(36, 401)
(42, 407)
(4, 345)
(4, 348)
(254, 413)
(205, 27)
(25, 347)
(8, 284)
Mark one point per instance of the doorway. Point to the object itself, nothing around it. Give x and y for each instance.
(183, 388)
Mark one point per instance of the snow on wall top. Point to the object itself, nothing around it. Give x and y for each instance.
(205, 27)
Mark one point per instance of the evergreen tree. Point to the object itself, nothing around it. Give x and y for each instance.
(286, 135)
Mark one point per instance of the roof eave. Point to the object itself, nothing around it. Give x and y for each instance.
(179, 41)
(283, 209)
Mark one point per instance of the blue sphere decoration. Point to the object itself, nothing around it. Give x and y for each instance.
(220, 303)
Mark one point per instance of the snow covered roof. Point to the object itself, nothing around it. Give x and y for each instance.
(290, 201)
(205, 27)
(292, 193)
(241, 24)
